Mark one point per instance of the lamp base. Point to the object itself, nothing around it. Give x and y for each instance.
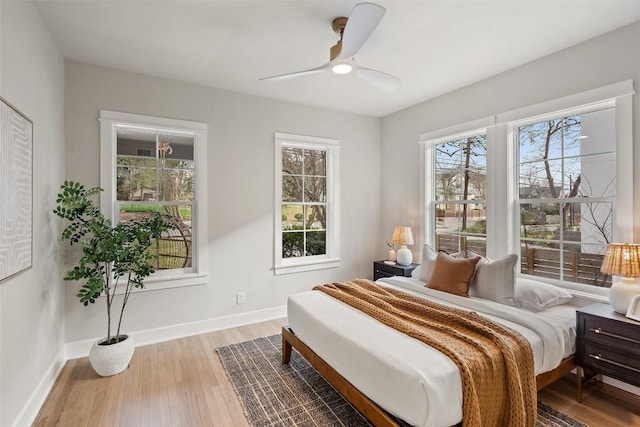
(621, 294)
(404, 256)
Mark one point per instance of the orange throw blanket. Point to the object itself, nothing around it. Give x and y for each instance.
(496, 363)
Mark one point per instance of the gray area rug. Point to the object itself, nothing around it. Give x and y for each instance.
(274, 394)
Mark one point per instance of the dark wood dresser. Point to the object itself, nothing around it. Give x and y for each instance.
(608, 343)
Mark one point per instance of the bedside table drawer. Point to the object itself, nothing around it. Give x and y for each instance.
(612, 333)
(377, 273)
(608, 361)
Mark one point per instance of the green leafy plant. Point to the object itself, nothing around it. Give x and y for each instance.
(113, 256)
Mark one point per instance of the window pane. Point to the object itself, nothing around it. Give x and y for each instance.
(541, 179)
(316, 243)
(292, 244)
(448, 217)
(460, 169)
(137, 184)
(172, 147)
(292, 217)
(176, 184)
(540, 221)
(448, 184)
(315, 162)
(474, 219)
(542, 140)
(174, 248)
(292, 188)
(592, 220)
(598, 177)
(540, 260)
(292, 161)
(131, 142)
(316, 217)
(315, 189)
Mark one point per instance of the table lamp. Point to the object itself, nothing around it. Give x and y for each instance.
(402, 236)
(622, 259)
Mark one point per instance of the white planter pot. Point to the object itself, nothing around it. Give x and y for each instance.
(111, 359)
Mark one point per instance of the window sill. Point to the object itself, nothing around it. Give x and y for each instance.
(169, 282)
(578, 290)
(306, 266)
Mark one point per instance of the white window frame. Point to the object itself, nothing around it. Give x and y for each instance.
(501, 171)
(618, 96)
(428, 202)
(110, 122)
(332, 257)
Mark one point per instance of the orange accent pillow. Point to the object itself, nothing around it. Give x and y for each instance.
(453, 275)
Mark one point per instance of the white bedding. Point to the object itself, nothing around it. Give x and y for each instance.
(404, 376)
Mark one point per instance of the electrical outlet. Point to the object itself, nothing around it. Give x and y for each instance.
(240, 298)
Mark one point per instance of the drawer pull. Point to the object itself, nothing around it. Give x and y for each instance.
(622, 365)
(599, 331)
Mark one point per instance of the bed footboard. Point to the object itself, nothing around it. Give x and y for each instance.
(376, 415)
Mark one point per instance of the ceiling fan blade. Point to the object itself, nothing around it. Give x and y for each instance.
(378, 79)
(298, 73)
(363, 20)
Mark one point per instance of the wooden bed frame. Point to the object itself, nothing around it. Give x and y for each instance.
(376, 415)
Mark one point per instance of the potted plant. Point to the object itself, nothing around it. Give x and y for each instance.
(113, 258)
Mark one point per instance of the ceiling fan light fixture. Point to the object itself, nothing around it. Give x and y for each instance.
(354, 31)
(342, 68)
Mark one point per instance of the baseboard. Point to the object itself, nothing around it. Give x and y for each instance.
(628, 388)
(30, 410)
(76, 349)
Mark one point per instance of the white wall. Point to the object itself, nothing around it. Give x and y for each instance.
(605, 60)
(32, 303)
(241, 192)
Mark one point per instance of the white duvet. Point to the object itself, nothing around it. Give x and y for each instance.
(404, 376)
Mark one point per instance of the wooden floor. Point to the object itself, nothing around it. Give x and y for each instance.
(182, 383)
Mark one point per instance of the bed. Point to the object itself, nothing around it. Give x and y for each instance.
(388, 375)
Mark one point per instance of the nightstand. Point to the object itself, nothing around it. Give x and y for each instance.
(380, 269)
(607, 343)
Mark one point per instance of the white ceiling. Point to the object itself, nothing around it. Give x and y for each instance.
(433, 46)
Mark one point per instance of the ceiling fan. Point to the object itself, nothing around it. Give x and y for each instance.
(354, 32)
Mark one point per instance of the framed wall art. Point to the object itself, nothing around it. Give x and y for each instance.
(16, 191)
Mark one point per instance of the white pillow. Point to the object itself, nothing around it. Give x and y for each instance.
(428, 261)
(538, 296)
(494, 280)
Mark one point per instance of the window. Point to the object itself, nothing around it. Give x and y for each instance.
(558, 186)
(460, 172)
(306, 203)
(566, 172)
(153, 165)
